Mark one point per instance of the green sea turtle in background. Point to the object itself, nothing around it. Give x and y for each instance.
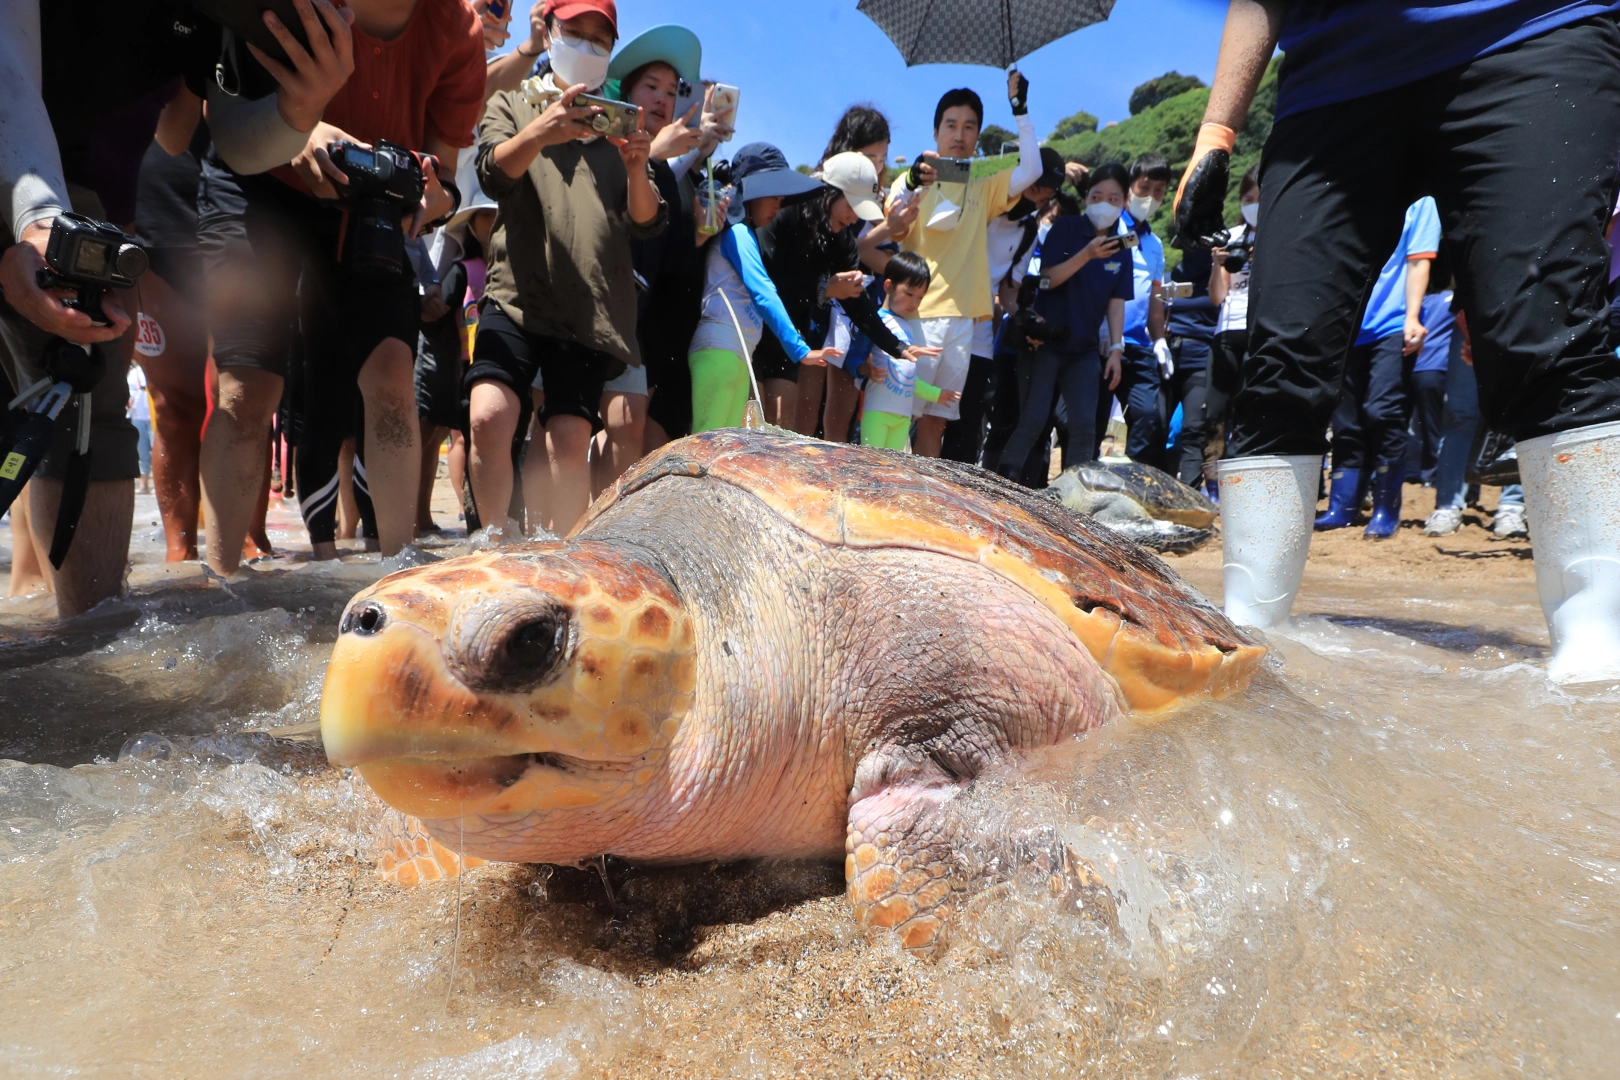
(761, 645)
(1141, 503)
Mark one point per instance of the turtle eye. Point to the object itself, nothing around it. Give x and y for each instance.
(534, 646)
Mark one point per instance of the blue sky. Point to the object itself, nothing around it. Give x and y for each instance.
(799, 63)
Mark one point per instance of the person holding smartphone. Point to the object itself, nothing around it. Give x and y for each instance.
(1088, 278)
(944, 219)
(560, 300)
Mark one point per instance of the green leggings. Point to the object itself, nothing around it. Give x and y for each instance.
(719, 389)
(886, 429)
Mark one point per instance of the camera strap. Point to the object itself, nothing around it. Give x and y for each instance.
(75, 486)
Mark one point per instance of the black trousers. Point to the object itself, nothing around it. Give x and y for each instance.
(1428, 418)
(1138, 394)
(1487, 140)
(1189, 389)
(1369, 426)
(1003, 419)
(1227, 355)
(965, 436)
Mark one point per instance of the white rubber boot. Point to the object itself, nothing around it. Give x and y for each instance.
(1572, 497)
(1267, 507)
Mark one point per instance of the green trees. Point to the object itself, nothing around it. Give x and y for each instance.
(993, 138)
(1070, 126)
(1165, 87)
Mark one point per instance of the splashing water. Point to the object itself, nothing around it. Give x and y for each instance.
(1398, 853)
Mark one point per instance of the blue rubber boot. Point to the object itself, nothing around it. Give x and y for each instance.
(1386, 489)
(1344, 500)
(1212, 491)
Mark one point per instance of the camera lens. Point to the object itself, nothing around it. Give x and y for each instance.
(131, 262)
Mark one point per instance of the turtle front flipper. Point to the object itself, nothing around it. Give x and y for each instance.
(898, 865)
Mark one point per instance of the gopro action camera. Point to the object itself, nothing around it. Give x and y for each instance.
(90, 257)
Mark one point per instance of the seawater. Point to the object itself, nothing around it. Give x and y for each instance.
(1398, 854)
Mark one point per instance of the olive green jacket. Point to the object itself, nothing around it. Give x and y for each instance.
(559, 255)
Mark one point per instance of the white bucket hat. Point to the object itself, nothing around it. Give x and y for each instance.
(473, 198)
(856, 176)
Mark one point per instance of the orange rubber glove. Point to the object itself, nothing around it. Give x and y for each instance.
(1200, 210)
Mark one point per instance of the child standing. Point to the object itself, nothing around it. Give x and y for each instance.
(886, 414)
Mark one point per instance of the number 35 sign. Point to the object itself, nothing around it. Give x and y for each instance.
(149, 340)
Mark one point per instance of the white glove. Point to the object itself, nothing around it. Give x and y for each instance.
(1167, 366)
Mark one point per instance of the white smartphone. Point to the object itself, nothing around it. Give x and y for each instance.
(724, 101)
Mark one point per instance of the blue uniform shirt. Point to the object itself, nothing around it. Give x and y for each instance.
(1338, 51)
(1386, 307)
(1439, 322)
(1147, 265)
(1081, 303)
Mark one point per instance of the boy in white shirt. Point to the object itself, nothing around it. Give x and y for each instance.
(886, 412)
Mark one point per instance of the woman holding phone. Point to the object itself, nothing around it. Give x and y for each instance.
(1087, 280)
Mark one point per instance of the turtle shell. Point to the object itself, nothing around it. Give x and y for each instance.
(1160, 494)
(1160, 640)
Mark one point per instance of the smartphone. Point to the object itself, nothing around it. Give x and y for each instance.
(687, 95)
(1129, 239)
(617, 118)
(724, 101)
(949, 170)
(1178, 290)
(245, 19)
(497, 8)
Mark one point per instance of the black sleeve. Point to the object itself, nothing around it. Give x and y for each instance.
(863, 314)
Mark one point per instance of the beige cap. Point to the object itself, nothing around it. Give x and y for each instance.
(856, 176)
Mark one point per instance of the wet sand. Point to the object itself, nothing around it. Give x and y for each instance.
(1395, 856)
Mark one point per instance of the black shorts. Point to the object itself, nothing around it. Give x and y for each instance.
(772, 364)
(573, 374)
(270, 254)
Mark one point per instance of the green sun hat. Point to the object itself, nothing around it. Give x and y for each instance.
(674, 45)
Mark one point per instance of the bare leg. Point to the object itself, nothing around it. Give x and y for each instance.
(807, 413)
(98, 561)
(494, 413)
(258, 539)
(930, 435)
(457, 461)
(432, 439)
(568, 443)
(27, 561)
(393, 456)
(653, 436)
(781, 402)
(233, 459)
(348, 508)
(536, 470)
(625, 416)
(842, 398)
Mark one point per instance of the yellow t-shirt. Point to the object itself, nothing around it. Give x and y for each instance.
(958, 258)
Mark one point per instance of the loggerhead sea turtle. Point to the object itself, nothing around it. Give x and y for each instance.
(1141, 503)
(761, 645)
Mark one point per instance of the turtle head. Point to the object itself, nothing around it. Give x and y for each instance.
(538, 677)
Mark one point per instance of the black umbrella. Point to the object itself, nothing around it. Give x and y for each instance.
(991, 32)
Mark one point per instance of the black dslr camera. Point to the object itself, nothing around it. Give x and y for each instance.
(1027, 324)
(385, 182)
(90, 257)
(1236, 256)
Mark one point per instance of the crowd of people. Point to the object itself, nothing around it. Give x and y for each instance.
(556, 296)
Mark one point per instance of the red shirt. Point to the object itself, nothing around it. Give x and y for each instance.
(429, 78)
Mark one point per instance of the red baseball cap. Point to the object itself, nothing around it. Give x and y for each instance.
(568, 9)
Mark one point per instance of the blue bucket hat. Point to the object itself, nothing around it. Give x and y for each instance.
(759, 171)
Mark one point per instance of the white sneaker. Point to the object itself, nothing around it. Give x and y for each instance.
(1510, 524)
(1443, 522)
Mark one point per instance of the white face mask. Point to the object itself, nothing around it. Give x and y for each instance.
(1143, 207)
(575, 60)
(1251, 213)
(1102, 214)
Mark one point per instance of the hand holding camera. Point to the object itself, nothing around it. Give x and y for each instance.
(51, 293)
(387, 189)
(314, 164)
(563, 121)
